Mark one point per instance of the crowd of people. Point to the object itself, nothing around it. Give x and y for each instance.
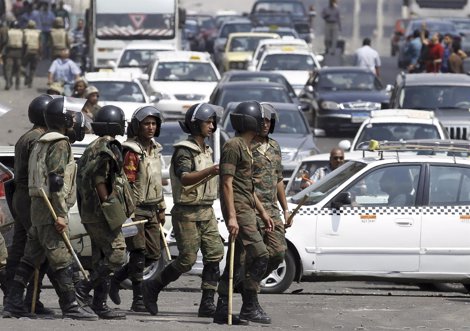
(435, 53)
(114, 182)
(36, 31)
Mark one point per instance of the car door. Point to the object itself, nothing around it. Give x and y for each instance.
(445, 233)
(379, 231)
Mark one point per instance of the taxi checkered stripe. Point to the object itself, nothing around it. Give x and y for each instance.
(424, 210)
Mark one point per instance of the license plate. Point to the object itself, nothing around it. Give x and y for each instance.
(359, 117)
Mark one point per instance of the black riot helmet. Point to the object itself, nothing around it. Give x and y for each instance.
(247, 116)
(56, 115)
(110, 120)
(139, 115)
(37, 108)
(198, 113)
(270, 113)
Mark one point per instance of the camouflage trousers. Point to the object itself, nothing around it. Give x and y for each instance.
(275, 242)
(12, 69)
(192, 236)
(147, 238)
(3, 252)
(108, 247)
(45, 242)
(249, 250)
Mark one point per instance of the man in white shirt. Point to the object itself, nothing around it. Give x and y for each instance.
(367, 57)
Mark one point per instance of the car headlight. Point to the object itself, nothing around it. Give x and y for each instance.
(330, 105)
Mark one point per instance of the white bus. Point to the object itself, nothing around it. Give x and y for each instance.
(112, 24)
(438, 8)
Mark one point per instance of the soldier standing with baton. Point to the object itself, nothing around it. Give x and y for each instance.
(193, 218)
(106, 201)
(238, 203)
(52, 170)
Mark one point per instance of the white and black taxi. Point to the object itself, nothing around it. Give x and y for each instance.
(402, 213)
(181, 79)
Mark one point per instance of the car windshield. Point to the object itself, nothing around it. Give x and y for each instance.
(288, 7)
(137, 58)
(185, 71)
(305, 171)
(234, 27)
(462, 24)
(342, 81)
(319, 190)
(288, 61)
(288, 123)
(395, 131)
(249, 93)
(435, 97)
(245, 44)
(170, 136)
(119, 91)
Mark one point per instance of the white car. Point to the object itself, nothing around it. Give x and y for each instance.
(181, 79)
(396, 124)
(137, 56)
(293, 63)
(120, 89)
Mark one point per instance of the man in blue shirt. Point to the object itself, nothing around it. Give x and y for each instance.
(413, 51)
(65, 71)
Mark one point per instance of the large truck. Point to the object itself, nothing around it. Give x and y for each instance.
(114, 24)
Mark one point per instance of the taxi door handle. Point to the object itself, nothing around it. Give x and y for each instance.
(404, 222)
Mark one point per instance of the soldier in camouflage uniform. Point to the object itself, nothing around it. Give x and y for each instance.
(51, 168)
(13, 55)
(269, 188)
(32, 49)
(143, 167)
(238, 203)
(193, 218)
(102, 187)
(3, 257)
(21, 200)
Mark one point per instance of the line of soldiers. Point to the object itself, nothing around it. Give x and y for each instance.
(21, 49)
(116, 181)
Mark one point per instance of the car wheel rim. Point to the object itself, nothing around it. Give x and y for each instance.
(275, 277)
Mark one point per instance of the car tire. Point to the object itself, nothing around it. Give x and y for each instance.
(281, 278)
(150, 272)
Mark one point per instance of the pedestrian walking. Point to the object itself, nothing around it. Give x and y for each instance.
(332, 18)
(106, 201)
(367, 57)
(59, 36)
(90, 108)
(46, 19)
(194, 223)
(22, 201)
(238, 203)
(143, 167)
(456, 59)
(413, 51)
(435, 54)
(79, 88)
(51, 170)
(32, 51)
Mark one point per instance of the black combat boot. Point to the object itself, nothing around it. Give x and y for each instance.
(152, 287)
(3, 282)
(221, 313)
(99, 304)
(64, 288)
(14, 304)
(137, 299)
(82, 290)
(251, 310)
(207, 307)
(40, 308)
(116, 280)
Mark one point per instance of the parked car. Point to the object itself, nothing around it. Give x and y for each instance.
(292, 132)
(242, 91)
(447, 95)
(181, 79)
(396, 125)
(120, 89)
(341, 98)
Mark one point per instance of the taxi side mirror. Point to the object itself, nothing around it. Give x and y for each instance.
(344, 198)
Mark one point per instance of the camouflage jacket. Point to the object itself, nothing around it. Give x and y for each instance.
(267, 172)
(23, 148)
